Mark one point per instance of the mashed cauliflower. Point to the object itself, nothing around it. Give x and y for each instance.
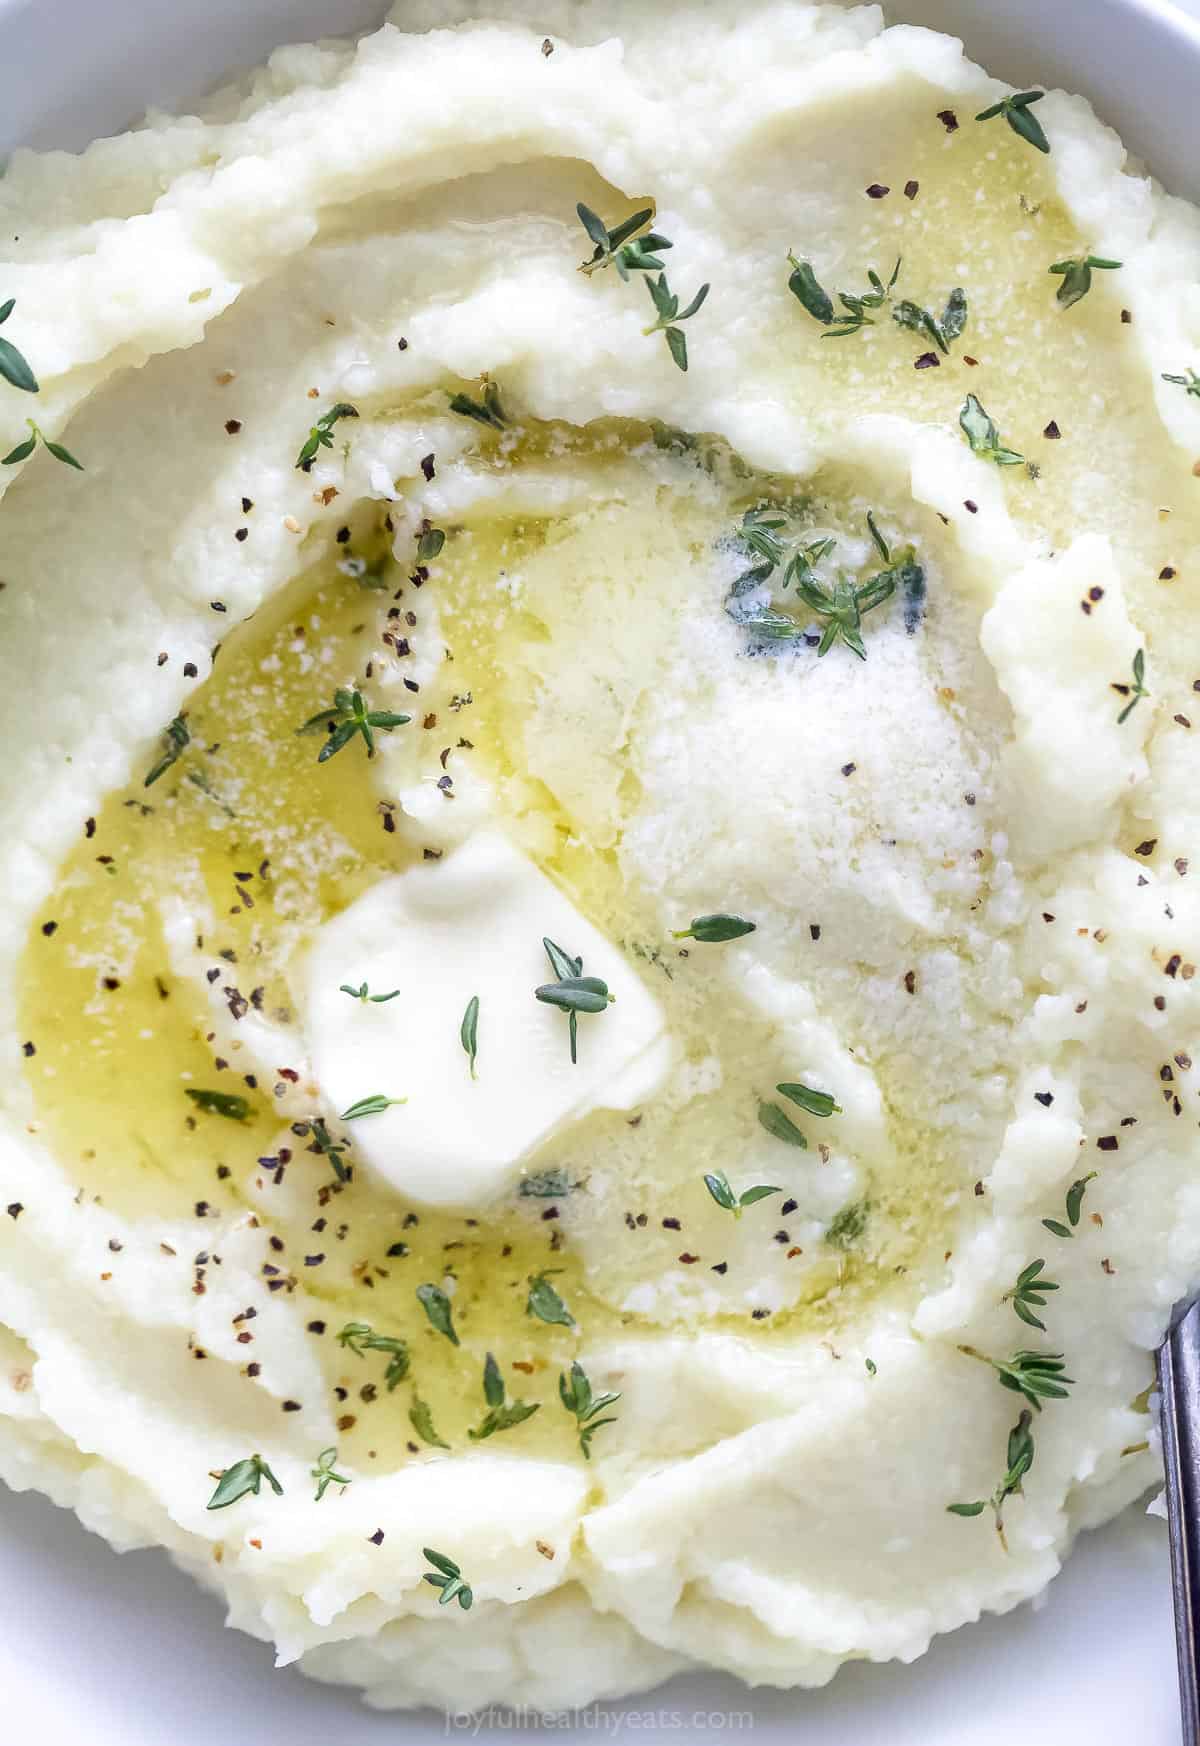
(849, 603)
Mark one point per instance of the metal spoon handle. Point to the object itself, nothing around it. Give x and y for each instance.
(1179, 1379)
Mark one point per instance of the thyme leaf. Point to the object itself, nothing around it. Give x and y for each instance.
(222, 1103)
(486, 410)
(545, 1303)
(1191, 381)
(622, 246)
(14, 366)
(175, 739)
(329, 1148)
(325, 1475)
(780, 1126)
(718, 1185)
(349, 717)
(374, 1105)
(848, 1225)
(468, 1031)
(438, 1308)
(668, 315)
(1015, 110)
(1076, 277)
(421, 1419)
(363, 993)
(575, 1392)
(818, 1103)
(1136, 691)
(1074, 1206)
(321, 434)
(1027, 1295)
(981, 432)
(361, 1338)
(1019, 1457)
(447, 1576)
(36, 435)
(503, 1414)
(243, 1479)
(942, 331)
(715, 929)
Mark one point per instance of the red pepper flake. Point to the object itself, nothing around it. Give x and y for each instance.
(877, 191)
(911, 189)
(1052, 432)
(687, 1259)
(1171, 967)
(928, 361)
(1182, 720)
(973, 362)
(257, 1544)
(948, 120)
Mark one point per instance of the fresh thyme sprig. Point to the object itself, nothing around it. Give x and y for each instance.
(243, 1479)
(1015, 110)
(714, 929)
(1028, 1294)
(622, 246)
(781, 1126)
(329, 1148)
(361, 1338)
(366, 1106)
(176, 738)
(1020, 1459)
(14, 366)
(575, 1392)
(348, 717)
(941, 330)
(981, 432)
(805, 286)
(545, 1303)
(843, 606)
(222, 1103)
(326, 1475)
(363, 993)
(1036, 1376)
(321, 434)
(573, 992)
(1191, 381)
(718, 1185)
(36, 435)
(1076, 277)
(439, 1309)
(668, 315)
(468, 1032)
(1134, 692)
(502, 1414)
(486, 410)
(1074, 1204)
(449, 1579)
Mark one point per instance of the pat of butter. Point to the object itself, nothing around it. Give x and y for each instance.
(471, 924)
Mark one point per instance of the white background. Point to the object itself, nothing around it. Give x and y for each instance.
(125, 1651)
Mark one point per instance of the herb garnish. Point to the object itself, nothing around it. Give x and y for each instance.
(713, 929)
(668, 314)
(1036, 1376)
(618, 246)
(1027, 1296)
(848, 1225)
(576, 1395)
(1020, 1460)
(243, 1479)
(361, 1338)
(818, 1103)
(1136, 691)
(468, 1032)
(941, 331)
(717, 1184)
(328, 1148)
(421, 1420)
(325, 1475)
(842, 607)
(502, 1414)
(348, 717)
(546, 1184)
(545, 1303)
(1075, 1196)
(438, 1308)
(429, 544)
(1015, 110)
(486, 410)
(374, 1105)
(176, 738)
(781, 1126)
(222, 1103)
(1191, 381)
(36, 435)
(449, 1580)
(363, 993)
(573, 992)
(14, 366)
(804, 285)
(321, 435)
(1077, 277)
(981, 432)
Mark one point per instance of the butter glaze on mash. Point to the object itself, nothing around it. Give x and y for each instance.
(971, 870)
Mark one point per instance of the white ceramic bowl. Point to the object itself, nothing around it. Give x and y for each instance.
(126, 1651)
